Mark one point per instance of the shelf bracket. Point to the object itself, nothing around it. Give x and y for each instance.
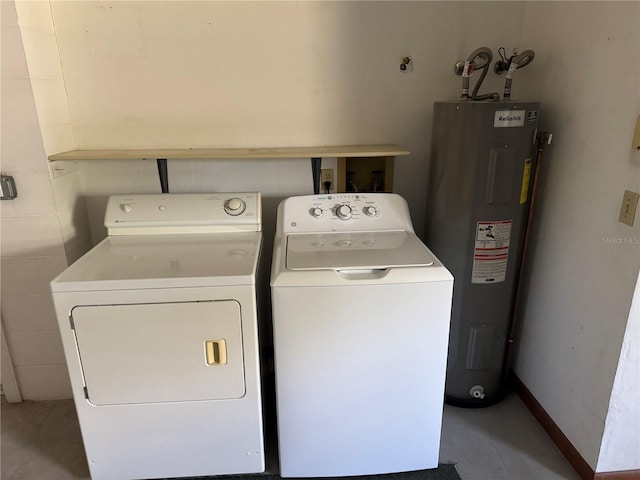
(316, 168)
(164, 174)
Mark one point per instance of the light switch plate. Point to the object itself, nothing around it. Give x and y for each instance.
(636, 136)
(628, 207)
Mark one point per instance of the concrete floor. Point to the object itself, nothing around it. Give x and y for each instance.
(41, 441)
(501, 442)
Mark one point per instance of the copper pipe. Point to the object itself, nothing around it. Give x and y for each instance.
(543, 139)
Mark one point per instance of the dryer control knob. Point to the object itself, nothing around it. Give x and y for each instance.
(126, 207)
(316, 212)
(234, 206)
(343, 212)
(370, 210)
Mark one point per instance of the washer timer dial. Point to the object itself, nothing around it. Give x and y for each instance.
(344, 212)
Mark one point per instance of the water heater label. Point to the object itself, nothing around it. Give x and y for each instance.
(509, 118)
(491, 251)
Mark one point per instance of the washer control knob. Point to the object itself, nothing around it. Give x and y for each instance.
(343, 212)
(126, 207)
(370, 210)
(316, 212)
(234, 206)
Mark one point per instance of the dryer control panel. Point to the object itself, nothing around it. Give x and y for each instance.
(183, 213)
(344, 212)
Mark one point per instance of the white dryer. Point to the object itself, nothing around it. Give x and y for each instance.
(361, 312)
(158, 323)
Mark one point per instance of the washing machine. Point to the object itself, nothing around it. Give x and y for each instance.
(361, 312)
(159, 328)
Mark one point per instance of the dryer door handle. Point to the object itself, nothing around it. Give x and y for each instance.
(216, 352)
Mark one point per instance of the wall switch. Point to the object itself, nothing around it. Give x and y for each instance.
(326, 175)
(628, 207)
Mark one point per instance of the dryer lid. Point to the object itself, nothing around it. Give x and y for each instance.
(356, 250)
(159, 261)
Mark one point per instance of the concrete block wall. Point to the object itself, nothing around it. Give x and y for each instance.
(35, 122)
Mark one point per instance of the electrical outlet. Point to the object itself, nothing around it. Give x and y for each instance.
(628, 207)
(326, 175)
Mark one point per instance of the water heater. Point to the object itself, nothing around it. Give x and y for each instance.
(480, 178)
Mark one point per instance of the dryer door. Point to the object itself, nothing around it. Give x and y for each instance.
(160, 352)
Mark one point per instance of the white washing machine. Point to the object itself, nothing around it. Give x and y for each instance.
(361, 312)
(158, 323)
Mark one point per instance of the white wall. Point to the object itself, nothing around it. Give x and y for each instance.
(620, 442)
(584, 262)
(240, 74)
(50, 97)
(33, 247)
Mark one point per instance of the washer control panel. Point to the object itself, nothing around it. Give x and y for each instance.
(344, 212)
(183, 213)
(343, 207)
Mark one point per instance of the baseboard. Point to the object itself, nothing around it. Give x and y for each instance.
(623, 475)
(582, 468)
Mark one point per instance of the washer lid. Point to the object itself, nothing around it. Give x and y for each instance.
(160, 261)
(355, 250)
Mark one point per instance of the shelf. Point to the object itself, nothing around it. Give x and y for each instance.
(350, 151)
(162, 155)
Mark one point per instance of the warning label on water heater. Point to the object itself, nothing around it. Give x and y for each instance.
(491, 251)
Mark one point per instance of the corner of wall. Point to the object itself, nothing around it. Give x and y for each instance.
(620, 441)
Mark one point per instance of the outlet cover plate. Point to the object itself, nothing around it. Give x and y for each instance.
(327, 175)
(628, 207)
(635, 144)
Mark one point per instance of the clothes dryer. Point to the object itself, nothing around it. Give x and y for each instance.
(361, 312)
(158, 323)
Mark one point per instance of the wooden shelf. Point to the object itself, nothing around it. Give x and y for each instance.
(349, 151)
(314, 153)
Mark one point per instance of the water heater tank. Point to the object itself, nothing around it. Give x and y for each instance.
(480, 177)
